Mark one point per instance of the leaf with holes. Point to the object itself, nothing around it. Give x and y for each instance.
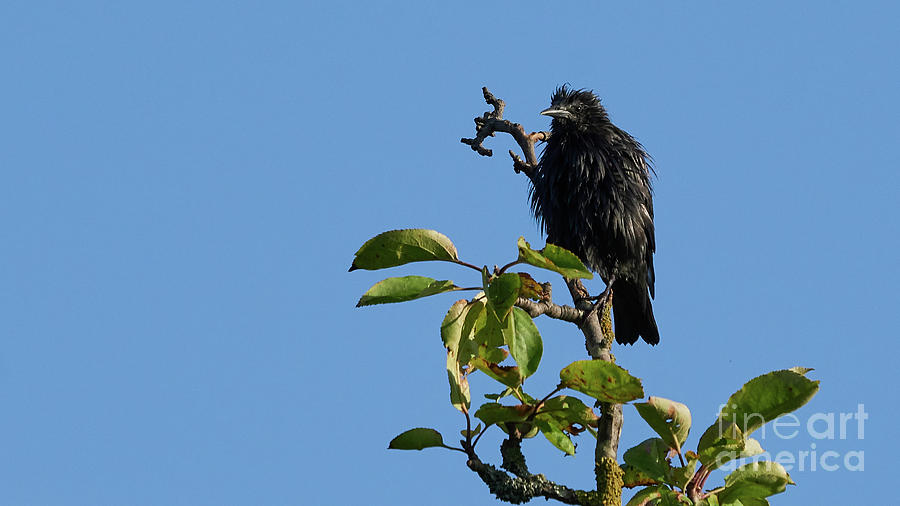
(670, 419)
(604, 381)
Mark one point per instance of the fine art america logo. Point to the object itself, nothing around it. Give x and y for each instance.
(821, 427)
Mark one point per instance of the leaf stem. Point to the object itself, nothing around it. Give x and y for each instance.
(478, 437)
(467, 264)
(678, 451)
(507, 266)
(542, 401)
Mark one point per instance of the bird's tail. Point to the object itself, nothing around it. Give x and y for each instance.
(633, 313)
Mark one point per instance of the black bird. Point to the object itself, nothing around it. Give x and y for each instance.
(591, 194)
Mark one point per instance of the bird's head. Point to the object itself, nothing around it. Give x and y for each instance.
(575, 108)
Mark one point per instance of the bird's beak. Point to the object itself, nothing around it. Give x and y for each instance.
(555, 112)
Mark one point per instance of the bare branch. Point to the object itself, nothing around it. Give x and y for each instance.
(555, 311)
(492, 121)
(547, 307)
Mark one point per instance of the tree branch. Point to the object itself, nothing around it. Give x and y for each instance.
(547, 307)
(513, 459)
(492, 121)
(555, 311)
(523, 489)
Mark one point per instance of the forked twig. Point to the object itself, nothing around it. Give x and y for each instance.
(492, 121)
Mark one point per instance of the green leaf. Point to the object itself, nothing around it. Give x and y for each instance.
(670, 419)
(645, 496)
(767, 397)
(680, 476)
(417, 439)
(659, 495)
(713, 500)
(720, 443)
(452, 326)
(525, 430)
(554, 258)
(459, 328)
(553, 432)
(604, 381)
(403, 289)
(524, 341)
(723, 442)
(506, 374)
(633, 477)
(502, 293)
(530, 288)
(469, 332)
(488, 331)
(710, 500)
(492, 355)
(745, 501)
(752, 448)
(472, 433)
(483, 322)
(756, 480)
(649, 457)
(399, 247)
(567, 411)
(672, 498)
(460, 396)
(492, 413)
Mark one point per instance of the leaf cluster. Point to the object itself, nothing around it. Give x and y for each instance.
(760, 400)
(488, 333)
(481, 334)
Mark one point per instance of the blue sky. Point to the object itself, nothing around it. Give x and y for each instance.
(184, 185)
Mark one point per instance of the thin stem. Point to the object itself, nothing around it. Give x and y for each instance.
(507, 266)
(542, 401)
(478, 437)
(680, 457)
(468, 426)
(694, 487)
(466, 264)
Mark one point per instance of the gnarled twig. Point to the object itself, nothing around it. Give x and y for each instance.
(492, 121)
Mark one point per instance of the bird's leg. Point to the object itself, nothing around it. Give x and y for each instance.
(601, 299)
(577, 288)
